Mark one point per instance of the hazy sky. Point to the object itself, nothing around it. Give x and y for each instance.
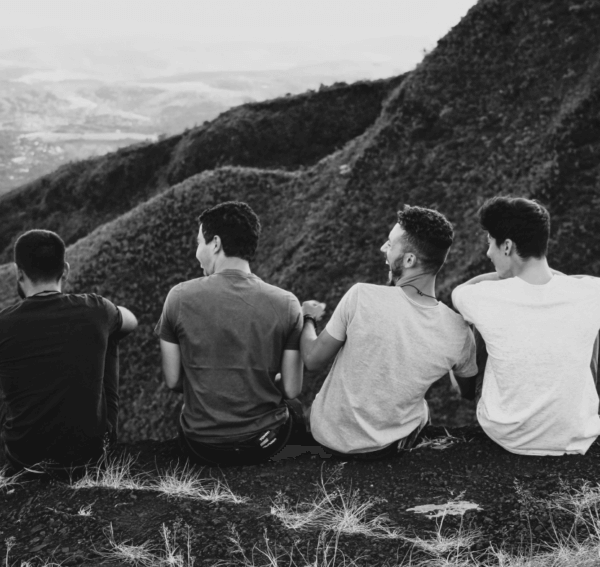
(335, 21)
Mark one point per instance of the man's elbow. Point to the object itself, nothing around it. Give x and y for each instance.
(310, 363)
(130, 321)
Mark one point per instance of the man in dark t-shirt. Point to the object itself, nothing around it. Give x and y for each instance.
(58, 362)
(230, 342)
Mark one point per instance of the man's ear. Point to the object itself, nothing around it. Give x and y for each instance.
(217, 245)
(507, 247)
(19, 273)
(409, 260)
(66, 271)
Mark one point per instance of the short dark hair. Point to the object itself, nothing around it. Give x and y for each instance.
(236, 224)
(428, 233)
(524, 221)
(41, 255)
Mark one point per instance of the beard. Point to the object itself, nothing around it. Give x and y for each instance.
(396, 272)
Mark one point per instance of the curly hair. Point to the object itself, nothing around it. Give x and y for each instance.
(236, 224)
(41, 255)
(428, 233)
(524, 221)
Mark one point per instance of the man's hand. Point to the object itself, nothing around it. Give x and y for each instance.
(313, 308)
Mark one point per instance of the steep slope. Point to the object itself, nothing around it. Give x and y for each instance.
(288, 133)
(509, 102)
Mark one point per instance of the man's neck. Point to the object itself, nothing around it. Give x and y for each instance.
(40, 288)
(420, 287)
(534, 271)
(232, 263)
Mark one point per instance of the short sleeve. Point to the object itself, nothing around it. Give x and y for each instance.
(166, 328)
(466, 367)
(295, 325)
(463, 299)
(115, 318)
(338, 324)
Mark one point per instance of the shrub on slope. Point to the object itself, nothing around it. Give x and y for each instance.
(284, 133)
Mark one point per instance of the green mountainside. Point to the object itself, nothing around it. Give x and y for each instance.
(508, 102)
(288, 132)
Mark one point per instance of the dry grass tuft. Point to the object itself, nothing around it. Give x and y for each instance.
(187, 483)
(334, 510)
(145, 555)
(8, 481)
(326, 554)
(115, 474)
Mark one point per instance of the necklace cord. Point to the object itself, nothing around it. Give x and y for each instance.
(419, 291)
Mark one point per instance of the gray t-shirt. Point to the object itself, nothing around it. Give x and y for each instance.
(394, 350)
(232, 329)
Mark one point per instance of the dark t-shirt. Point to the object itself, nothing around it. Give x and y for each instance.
(52, 352)
(232, 329)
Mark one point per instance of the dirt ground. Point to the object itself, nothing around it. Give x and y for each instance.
(42, 518)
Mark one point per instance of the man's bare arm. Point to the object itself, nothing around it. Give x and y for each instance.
(130, 321)
(171, 365)
(292, 373)
(467, 386)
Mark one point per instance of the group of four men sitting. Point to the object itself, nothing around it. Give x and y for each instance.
(237, 347)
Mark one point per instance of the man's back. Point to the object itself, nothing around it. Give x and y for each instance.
(394, 350)
(232, 329)
(538, 394)
(52, 354)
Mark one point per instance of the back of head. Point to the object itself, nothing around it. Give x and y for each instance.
(429, 235)
(236, 224)
(524, 221)
(41, 255)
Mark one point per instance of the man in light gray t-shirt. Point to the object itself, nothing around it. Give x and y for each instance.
(390, 343)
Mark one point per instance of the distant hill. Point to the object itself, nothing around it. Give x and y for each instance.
(508, 102)
(284, 133)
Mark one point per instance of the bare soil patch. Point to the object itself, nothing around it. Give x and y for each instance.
(45, 519)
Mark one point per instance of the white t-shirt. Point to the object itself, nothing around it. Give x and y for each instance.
(394, 350)
(538, 395)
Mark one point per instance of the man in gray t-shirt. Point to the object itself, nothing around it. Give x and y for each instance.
(388, 345)
(230, 343)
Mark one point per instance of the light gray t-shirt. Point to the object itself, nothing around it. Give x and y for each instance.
(538, 397)
(394, 350)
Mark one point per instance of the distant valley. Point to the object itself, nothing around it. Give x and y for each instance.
(66, 103)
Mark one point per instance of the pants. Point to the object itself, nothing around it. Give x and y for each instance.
(248, 452)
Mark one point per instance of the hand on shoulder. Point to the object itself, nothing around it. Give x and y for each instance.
(313, 308)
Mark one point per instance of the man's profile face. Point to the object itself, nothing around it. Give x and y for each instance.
(203, 254)
(393, 250)
(500, 260)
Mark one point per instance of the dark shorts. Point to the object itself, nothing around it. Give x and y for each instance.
(249, 451)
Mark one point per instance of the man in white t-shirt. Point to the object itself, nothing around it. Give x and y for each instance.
(390, 344)
(539, 327)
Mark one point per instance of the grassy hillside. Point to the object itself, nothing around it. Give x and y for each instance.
(509, 102)
(284, 133)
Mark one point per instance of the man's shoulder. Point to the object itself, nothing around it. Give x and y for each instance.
(273, 290)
